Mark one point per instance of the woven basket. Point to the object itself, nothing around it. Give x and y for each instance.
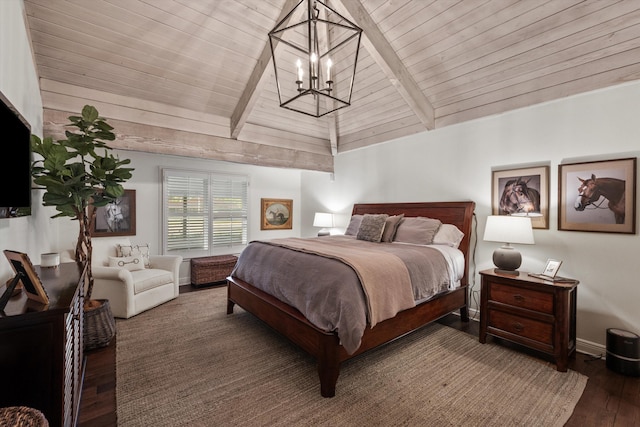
(22, 416)
(99, 326)
(213, 269)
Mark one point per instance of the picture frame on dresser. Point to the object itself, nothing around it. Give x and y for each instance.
(598, 196)
(26, 274)
(522, 192)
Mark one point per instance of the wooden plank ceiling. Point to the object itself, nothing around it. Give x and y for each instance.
(194, 77)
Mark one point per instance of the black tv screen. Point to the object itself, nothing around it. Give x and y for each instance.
(15, 173)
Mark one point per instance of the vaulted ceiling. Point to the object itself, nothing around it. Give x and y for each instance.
(195, 77)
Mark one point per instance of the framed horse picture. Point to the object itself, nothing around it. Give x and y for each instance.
(276, 214)
(522, 192)
(117, 218)
(598, 196)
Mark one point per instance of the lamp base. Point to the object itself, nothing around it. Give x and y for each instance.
(507, 259)
(323, 233)
(506, 272)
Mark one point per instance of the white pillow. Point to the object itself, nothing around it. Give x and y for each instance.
(132, 250)
(448, 234)
(131, 263)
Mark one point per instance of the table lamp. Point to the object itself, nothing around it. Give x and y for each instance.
(324, 220)
(508, 229)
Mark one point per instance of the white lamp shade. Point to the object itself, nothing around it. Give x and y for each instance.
(509, 229)
(322, 219)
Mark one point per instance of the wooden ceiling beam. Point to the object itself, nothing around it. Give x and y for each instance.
(253, 88)
(385, 56)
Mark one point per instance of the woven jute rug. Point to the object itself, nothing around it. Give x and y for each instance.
(188, 363)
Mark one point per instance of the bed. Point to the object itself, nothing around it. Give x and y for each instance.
(325, 345)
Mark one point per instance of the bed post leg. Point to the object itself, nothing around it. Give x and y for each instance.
(230, 305)
(464, 313)
(328, 367)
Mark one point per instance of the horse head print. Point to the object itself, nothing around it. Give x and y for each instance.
(113, 216)
(518, 197)
(593, 191)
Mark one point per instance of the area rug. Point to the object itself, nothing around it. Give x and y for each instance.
(188, 363)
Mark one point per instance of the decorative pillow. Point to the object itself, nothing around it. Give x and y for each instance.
(448, 234)
(131, 263)
(371, 227)
(417, 230)
(131, 250)
(354, 225)
(390, 227)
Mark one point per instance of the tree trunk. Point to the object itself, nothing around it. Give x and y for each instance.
(84, 248)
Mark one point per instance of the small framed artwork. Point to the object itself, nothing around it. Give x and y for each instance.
(552, 267)
(598, 196)
(118, 218)
(26, 274)
(522, 192)
(276, 214)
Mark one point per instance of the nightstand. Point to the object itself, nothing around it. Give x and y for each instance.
(531, 312)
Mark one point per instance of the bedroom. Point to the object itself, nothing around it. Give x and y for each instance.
(450, 163)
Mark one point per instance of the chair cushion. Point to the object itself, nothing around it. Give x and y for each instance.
(150, 278)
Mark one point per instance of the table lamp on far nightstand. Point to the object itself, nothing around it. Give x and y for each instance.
(324, 220)
(508, 229)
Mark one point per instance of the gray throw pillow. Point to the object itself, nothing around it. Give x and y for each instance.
(372, 227)
(354, 225)
(390, 227)
(418, 230)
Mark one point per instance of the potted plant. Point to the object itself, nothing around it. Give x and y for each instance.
(78, 173)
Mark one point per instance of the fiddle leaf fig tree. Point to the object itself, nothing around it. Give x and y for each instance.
(78, 173)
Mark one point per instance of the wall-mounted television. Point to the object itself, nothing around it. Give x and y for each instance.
(15, 172)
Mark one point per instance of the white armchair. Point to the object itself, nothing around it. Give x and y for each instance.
(132, 292)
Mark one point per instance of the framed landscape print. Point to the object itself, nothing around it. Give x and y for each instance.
(522, 192)
(598, 196)
(117, 218)
(276, 214)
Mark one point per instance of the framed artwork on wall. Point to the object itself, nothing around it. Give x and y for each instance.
(276, 214)
(117, 218)
(598, 196)
(522, 192)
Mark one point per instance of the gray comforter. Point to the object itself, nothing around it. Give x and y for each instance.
(327, 289)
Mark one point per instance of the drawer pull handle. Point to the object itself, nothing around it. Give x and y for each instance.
(518, 298)
(518, 327)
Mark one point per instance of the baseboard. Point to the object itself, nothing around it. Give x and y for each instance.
(591, 348)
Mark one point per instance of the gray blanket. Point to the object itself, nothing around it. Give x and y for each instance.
(327, 290)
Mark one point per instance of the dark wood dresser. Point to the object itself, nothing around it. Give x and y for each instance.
(41, 351)
(535, 313)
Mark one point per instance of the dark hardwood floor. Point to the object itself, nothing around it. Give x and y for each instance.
(610, 399)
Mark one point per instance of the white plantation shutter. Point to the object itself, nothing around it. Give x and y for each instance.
(229, 211)
(204, 213)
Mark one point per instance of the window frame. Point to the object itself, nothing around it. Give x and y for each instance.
(208, 245)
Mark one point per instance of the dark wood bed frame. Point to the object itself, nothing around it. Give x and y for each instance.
(325, 346)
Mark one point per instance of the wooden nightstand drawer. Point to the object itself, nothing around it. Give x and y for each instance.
(521, 297)
(530, 312)
(521, 326)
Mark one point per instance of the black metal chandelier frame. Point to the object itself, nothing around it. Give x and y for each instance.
(324, 99)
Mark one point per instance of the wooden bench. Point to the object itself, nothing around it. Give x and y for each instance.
(212, 269)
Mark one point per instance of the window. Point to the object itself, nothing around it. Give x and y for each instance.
(204, 213)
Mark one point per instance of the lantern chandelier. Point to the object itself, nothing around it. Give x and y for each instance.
(314, 51)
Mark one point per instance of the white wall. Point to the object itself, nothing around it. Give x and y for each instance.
(19, 84)
(455, 163)
(264, 182)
